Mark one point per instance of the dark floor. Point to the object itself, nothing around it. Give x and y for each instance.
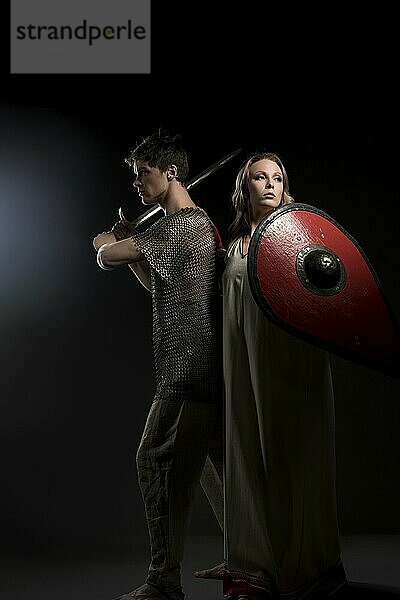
(372, 564)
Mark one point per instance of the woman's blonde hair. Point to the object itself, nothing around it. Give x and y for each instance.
(241, 224)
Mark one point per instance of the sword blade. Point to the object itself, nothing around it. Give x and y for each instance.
(212, 168)
(192, 183)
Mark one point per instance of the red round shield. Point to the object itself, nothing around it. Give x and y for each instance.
(310, 277)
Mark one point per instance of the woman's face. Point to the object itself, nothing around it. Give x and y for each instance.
(265, 185)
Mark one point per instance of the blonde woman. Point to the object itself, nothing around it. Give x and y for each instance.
(281, 530)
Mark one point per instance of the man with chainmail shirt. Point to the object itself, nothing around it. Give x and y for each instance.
(175, 259)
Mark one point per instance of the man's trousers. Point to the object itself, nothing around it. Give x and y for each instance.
(171, 460)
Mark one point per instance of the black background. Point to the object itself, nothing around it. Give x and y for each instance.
(76, 365)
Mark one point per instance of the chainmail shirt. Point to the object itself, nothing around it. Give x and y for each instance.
(180, 249)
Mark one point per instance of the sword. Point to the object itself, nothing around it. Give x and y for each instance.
(194, 181)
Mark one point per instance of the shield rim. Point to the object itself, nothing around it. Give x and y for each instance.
(276, 320)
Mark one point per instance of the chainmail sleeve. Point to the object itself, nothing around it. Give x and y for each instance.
(181, 251)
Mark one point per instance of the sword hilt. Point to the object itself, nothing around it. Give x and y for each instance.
(142, 218)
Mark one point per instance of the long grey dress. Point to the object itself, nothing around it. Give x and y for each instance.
(281, 530)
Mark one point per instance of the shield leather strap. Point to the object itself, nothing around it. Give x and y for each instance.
(311, 278)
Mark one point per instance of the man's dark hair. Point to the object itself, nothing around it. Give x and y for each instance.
(161, 151)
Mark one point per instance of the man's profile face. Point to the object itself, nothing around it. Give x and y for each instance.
(151, 183)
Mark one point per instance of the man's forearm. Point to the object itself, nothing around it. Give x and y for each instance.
(116, 254)
(107, 237)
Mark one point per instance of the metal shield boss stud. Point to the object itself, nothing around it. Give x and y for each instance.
(310, 277)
